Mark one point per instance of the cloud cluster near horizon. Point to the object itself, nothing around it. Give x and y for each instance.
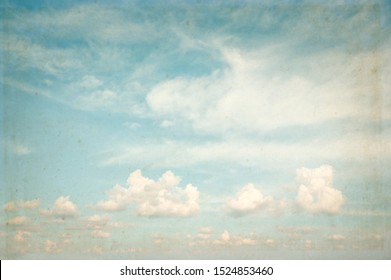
(163, 197)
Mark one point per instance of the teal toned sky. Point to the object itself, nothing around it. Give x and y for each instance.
(195, 129)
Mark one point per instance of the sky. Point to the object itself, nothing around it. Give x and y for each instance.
(195, 130)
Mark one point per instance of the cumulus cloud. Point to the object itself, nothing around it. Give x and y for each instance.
(63, 208)
(18, 221)
(22, 204)
(226, 239)
(316, 192)
(248, 200)
(163, 197)
(100, 234)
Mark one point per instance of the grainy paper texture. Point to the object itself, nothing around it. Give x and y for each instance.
(195, 130)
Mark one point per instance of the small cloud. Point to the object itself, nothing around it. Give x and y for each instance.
(308, 244)
(120, 225)
(224, 238)
(244, 241)
(63, 208)
(205, 232)
(248, 200)
(18, 221)
(18, 149)
(166, 124)
(97, 220)
(316, 192)
(22, 236)
(10, 206)
(22, 204)
(97, 99)
(50, 246)
(100, 234)
(337, 237)
(90, 82)
(132, 125)
(270, 242)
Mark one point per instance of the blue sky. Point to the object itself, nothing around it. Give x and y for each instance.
(195, 129)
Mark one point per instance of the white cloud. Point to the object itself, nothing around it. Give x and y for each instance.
(18, 221)
(100, 234)
(272, 153)
(154, 198)
(90, 82)
(96, 99)
(248, 200)
(97, 220)
(316, 193)
(337, 237)
(249, 96)
(166, 124)
(18, 149)
(270, 242)
(226, 239)
(308, 244)
(22, 204)
(64, 207)
(205, 232)
(22, 236)
(120, 225)
(50, 246)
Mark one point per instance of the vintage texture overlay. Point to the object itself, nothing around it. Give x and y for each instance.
(195, 129)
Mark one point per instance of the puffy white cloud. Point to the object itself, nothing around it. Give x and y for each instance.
(18, 221)
(248, 200)
(154, 198)
(63, 207)
(21, 204)
(316, 192)
(100, 234)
